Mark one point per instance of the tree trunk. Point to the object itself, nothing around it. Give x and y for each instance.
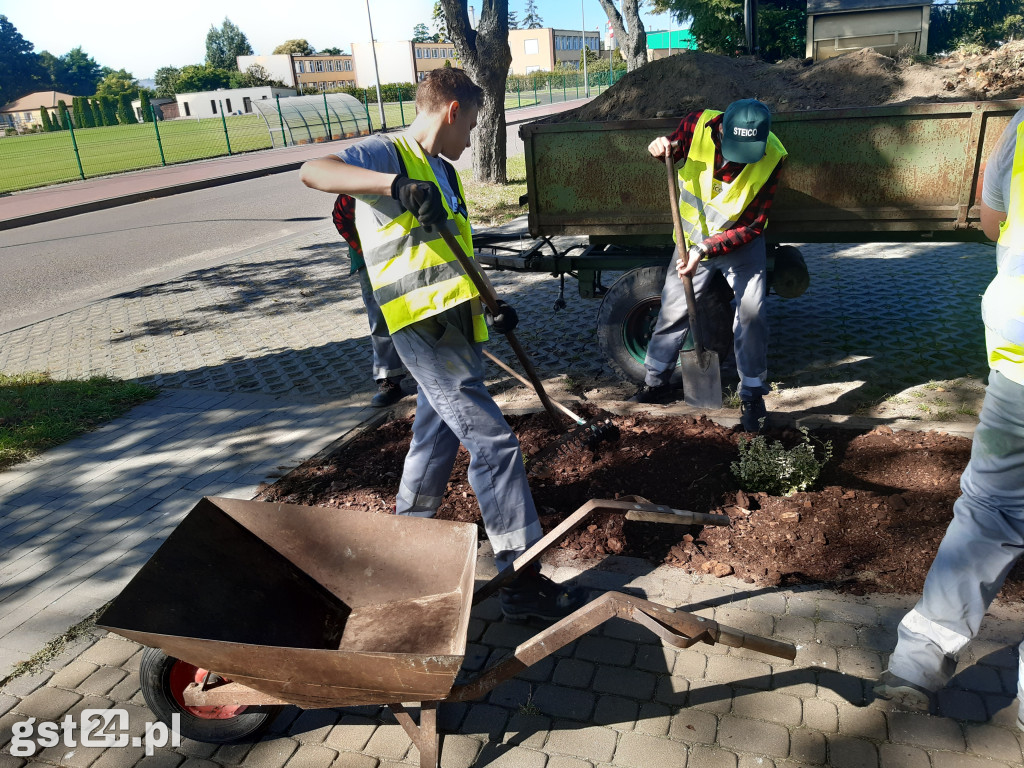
(632, 41)
(486, 57)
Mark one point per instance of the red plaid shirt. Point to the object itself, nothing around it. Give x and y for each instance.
(754, 218)
(344, 215)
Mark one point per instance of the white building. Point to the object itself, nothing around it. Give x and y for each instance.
(278, 65)
(228, 101)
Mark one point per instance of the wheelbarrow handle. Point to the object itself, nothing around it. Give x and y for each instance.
(735, 638)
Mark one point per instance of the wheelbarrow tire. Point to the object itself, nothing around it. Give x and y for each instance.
(160, 675)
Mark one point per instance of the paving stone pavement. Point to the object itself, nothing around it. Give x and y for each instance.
(264, 360)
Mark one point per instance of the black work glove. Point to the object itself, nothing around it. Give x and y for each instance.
(505, 321)
(421, 198)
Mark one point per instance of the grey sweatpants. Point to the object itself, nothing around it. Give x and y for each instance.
(984, 540)
(386, 362)
(454, 406)
(745, 270)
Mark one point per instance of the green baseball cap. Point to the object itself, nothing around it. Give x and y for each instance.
(745, 128)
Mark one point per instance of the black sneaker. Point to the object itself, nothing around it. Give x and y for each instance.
(648, 394)
(752, 411)
(389, 392)
(904, 693)
(533, 595)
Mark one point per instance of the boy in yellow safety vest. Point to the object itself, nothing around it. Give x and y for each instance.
(727, 183)
(986, 536)
(405, 192)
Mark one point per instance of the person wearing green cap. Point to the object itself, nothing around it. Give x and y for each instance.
(727, 181)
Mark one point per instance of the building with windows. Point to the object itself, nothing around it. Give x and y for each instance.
(431, 56)
(400, 61)
(23, 114)
(324, 72)
(545, 48)
(227, 101)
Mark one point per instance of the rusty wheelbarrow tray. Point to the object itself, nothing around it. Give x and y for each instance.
(250, 604)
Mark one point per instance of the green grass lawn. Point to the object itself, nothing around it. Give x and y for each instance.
(37, 412)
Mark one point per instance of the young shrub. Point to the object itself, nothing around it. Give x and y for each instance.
(109, 110)
(77, 112)
(124, 110)
(97, 113)
(62, 114)
(44, 119)
(774, 469)
(147, 113)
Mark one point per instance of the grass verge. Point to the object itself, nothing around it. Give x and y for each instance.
(38, 412)
(493, 204)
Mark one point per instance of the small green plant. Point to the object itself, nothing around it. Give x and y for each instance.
(772, 468)
(965, 410)
(528, 707)
(731, 398)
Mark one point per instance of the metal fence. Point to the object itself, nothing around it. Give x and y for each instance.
(38, 159)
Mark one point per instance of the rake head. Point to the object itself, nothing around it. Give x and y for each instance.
(588, 435)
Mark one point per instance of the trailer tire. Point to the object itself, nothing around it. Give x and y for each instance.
(629, 310)
(163, 678)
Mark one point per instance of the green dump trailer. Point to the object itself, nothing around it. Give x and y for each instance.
(879, 174)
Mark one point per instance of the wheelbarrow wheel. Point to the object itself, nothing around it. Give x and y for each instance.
(163, 680)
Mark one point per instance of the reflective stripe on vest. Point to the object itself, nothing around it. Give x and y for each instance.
(1002, 307)
(708, 206)
(413, 273)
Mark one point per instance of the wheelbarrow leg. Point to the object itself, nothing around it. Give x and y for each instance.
(424, 735)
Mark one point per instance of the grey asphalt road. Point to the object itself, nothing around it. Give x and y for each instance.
(54, 267)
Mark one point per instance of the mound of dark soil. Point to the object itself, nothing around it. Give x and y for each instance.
(693, 80)
(885, 502)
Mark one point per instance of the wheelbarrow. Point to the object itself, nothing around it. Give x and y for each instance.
(249, 606)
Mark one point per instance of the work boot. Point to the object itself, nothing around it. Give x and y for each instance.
(389, 392)
(904, 693)
(752, 411)
(533, 595)
(648, 394)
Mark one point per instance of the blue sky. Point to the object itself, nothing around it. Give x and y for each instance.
(142, 36)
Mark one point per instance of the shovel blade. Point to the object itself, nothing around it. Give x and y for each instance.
(702, 384)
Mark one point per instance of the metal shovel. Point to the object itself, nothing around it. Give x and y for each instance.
(702, 377)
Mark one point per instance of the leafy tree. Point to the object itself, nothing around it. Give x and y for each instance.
(202, 77)
(87, 118)
(254, 77)
(974, 22)
(62, 114)
(225, 45)
(532, 19)
(124, 110)
(44, 119)
(108, 106)
(629, 31)
(20, 71)
(421, 34)
(300, 47)
(116, 82)
(97, 112)
(76, 110)
(166, 79)
(717, 25)
(440, 23)
(513, 22)
(332, 51)
(144, 106)
(76, 72)
(485, 53)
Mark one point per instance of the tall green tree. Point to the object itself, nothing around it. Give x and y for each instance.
(974, 22)
(629, 31)
(513, 21)
(202, 77)
(717, 25)
(108, 106)
(117, 81)
(125, 115)
(332, 51)
(485, 54)
(421, 34)
(97, 112)
(20, 71)
(44, 119)
(254, 77)
(144, 106)
(299, 47)
(225, 44)
(531, 17)
(166, 79)
(62, 114)
(440, 23)
(77, 112)
(76, 72)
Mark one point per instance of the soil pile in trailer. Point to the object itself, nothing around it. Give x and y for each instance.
(693, 80)
(883, 503)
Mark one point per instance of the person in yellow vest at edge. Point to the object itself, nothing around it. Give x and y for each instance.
(986, 535)
(727, 185)
(405, 190)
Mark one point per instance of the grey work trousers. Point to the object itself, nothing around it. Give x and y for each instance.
(386, 362)
(984, 540)
(454, 406)
(745, 271)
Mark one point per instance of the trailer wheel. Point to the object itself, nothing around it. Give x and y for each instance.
(629, 311)
(163, 680)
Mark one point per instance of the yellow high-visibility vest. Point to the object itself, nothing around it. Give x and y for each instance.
(1002, 307)
(413, 273)
(707, 205)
